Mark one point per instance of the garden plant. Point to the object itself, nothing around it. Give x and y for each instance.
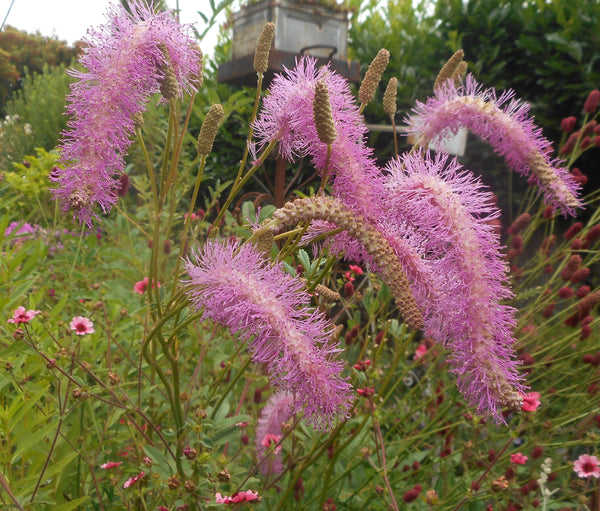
(381, 341)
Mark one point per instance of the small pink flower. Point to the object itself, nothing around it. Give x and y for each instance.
(356, 269)
(269, 439)
(111, 464)
(22, 316)
(242, 424)
(82, 325)
(141, 286)
(236, 498)
(531, 401)
(519, 458)
(587, 466)
(132, 480)
(421, 350)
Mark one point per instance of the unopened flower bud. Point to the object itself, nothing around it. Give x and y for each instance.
(389, 97)
(322, 114)
(373, 76)
(568, 124)
(263, 47)
(449, 68)
(208, 132)
(591, 103)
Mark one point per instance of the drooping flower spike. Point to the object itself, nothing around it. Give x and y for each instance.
(287, 115)
(267, 307)
(451, 210)
(504, 123)
(126, 61)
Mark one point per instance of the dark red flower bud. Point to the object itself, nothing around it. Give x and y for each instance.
(520, 222)
(583, 291)
(548, 213)
(591, 103)
(585, 143)
(593, 234)
(573, 231)
(589, 128)
(566, 292)
(348, 289)
(568, 124)
(569, 145)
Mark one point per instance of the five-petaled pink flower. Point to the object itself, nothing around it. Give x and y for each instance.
(531, 401)
(519, 458)
(587, 466)
(141, 286)
(132, 480)
(23, 316)
(236, 498)
(81, 325)
(111, 464)
(270, 439)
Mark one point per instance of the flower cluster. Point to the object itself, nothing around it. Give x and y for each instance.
(126, 60)
(237, 288)
(504, 123)
(437, 217)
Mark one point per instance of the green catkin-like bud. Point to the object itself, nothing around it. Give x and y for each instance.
(198, 79)
(460, 73)
(389, 98)
(322, 114)
(138, 120)
(169, 86)
(373, 76)
(449, 68)
(264, 243)
(332, 210)
(328, 295)
(208, 132)
(263, 47)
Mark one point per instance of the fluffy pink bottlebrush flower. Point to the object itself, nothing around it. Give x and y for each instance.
(287, 116)
(237, 288)
(505, 124)
(123, 61)
(276, 412)
(468, 276)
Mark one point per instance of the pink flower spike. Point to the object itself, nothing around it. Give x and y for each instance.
(587, 466)
(141, 286)
(268, 308)
(81, 325)
(519, 458)
(22, 316)
(531, 401)
(356, 269)
(504, 123)
(132, 480)
(111, 464)
(122, 65)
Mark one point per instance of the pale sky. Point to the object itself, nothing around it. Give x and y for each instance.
(70, 19)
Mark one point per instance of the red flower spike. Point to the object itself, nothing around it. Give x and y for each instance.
(566, 292)
(591, 103)
(568, 124)
(593, 234)
(569, 145)
(573, 231)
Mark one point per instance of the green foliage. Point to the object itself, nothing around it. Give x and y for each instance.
(36, 114)
(27, 184)
(20, 50)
